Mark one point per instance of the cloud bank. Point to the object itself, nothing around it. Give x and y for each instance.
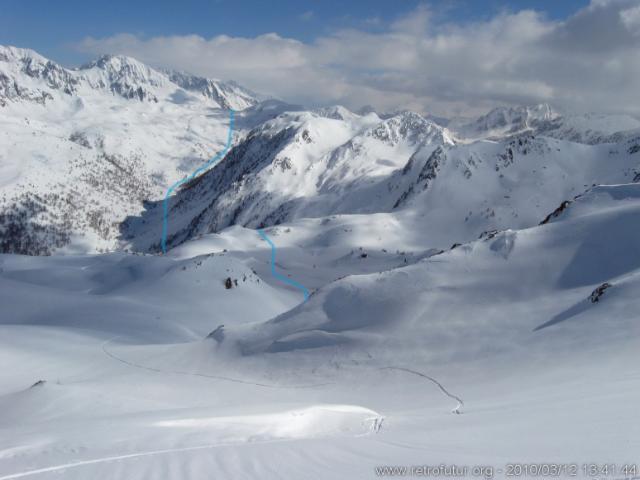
(587, 62)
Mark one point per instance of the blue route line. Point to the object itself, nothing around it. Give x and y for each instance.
(165, 218)
(279, 276)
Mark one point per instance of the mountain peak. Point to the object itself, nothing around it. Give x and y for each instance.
(11, 53)
(22, 67)
(125, 76)
(123, 68)
(506, 121)
(410, 126)
(114, 62)
(518, 116)
(225, 94)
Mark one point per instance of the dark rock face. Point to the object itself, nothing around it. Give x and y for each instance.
(598, 292)
(488, 235)
(556, 213)
(426, 175)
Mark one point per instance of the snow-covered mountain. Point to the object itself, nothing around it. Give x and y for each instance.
(335, 162)
(300, 164)
(28, 76)
(504, 121)
(88, 154)
(542, 119)
(82, 149)
(225, 94)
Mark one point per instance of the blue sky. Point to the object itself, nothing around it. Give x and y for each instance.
(54, 27)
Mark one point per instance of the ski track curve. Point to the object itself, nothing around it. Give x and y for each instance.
(434, 381)
(203, 375)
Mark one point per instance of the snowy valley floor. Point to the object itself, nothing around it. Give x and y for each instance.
(134, 387)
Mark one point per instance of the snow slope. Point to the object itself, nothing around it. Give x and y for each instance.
(558, 264)
(509, 323)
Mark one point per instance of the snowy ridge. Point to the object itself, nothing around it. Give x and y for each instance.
(123, 76)
(301, 165)
(228, 95)
(120, 75)
(505, 121)
(542, 119)
(311, 165)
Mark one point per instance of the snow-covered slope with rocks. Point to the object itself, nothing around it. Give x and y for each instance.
(559, 264)
(300, 164)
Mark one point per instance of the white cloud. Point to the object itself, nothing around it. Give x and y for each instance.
(590, 61)
(631, 19)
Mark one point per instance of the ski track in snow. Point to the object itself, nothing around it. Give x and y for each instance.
(280, 276)
(203, 375)
(81, 463)
(57, 468)
(433, 380)
(219, 155)
(65, 466)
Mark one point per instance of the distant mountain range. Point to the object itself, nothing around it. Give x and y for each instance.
(87, 154)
